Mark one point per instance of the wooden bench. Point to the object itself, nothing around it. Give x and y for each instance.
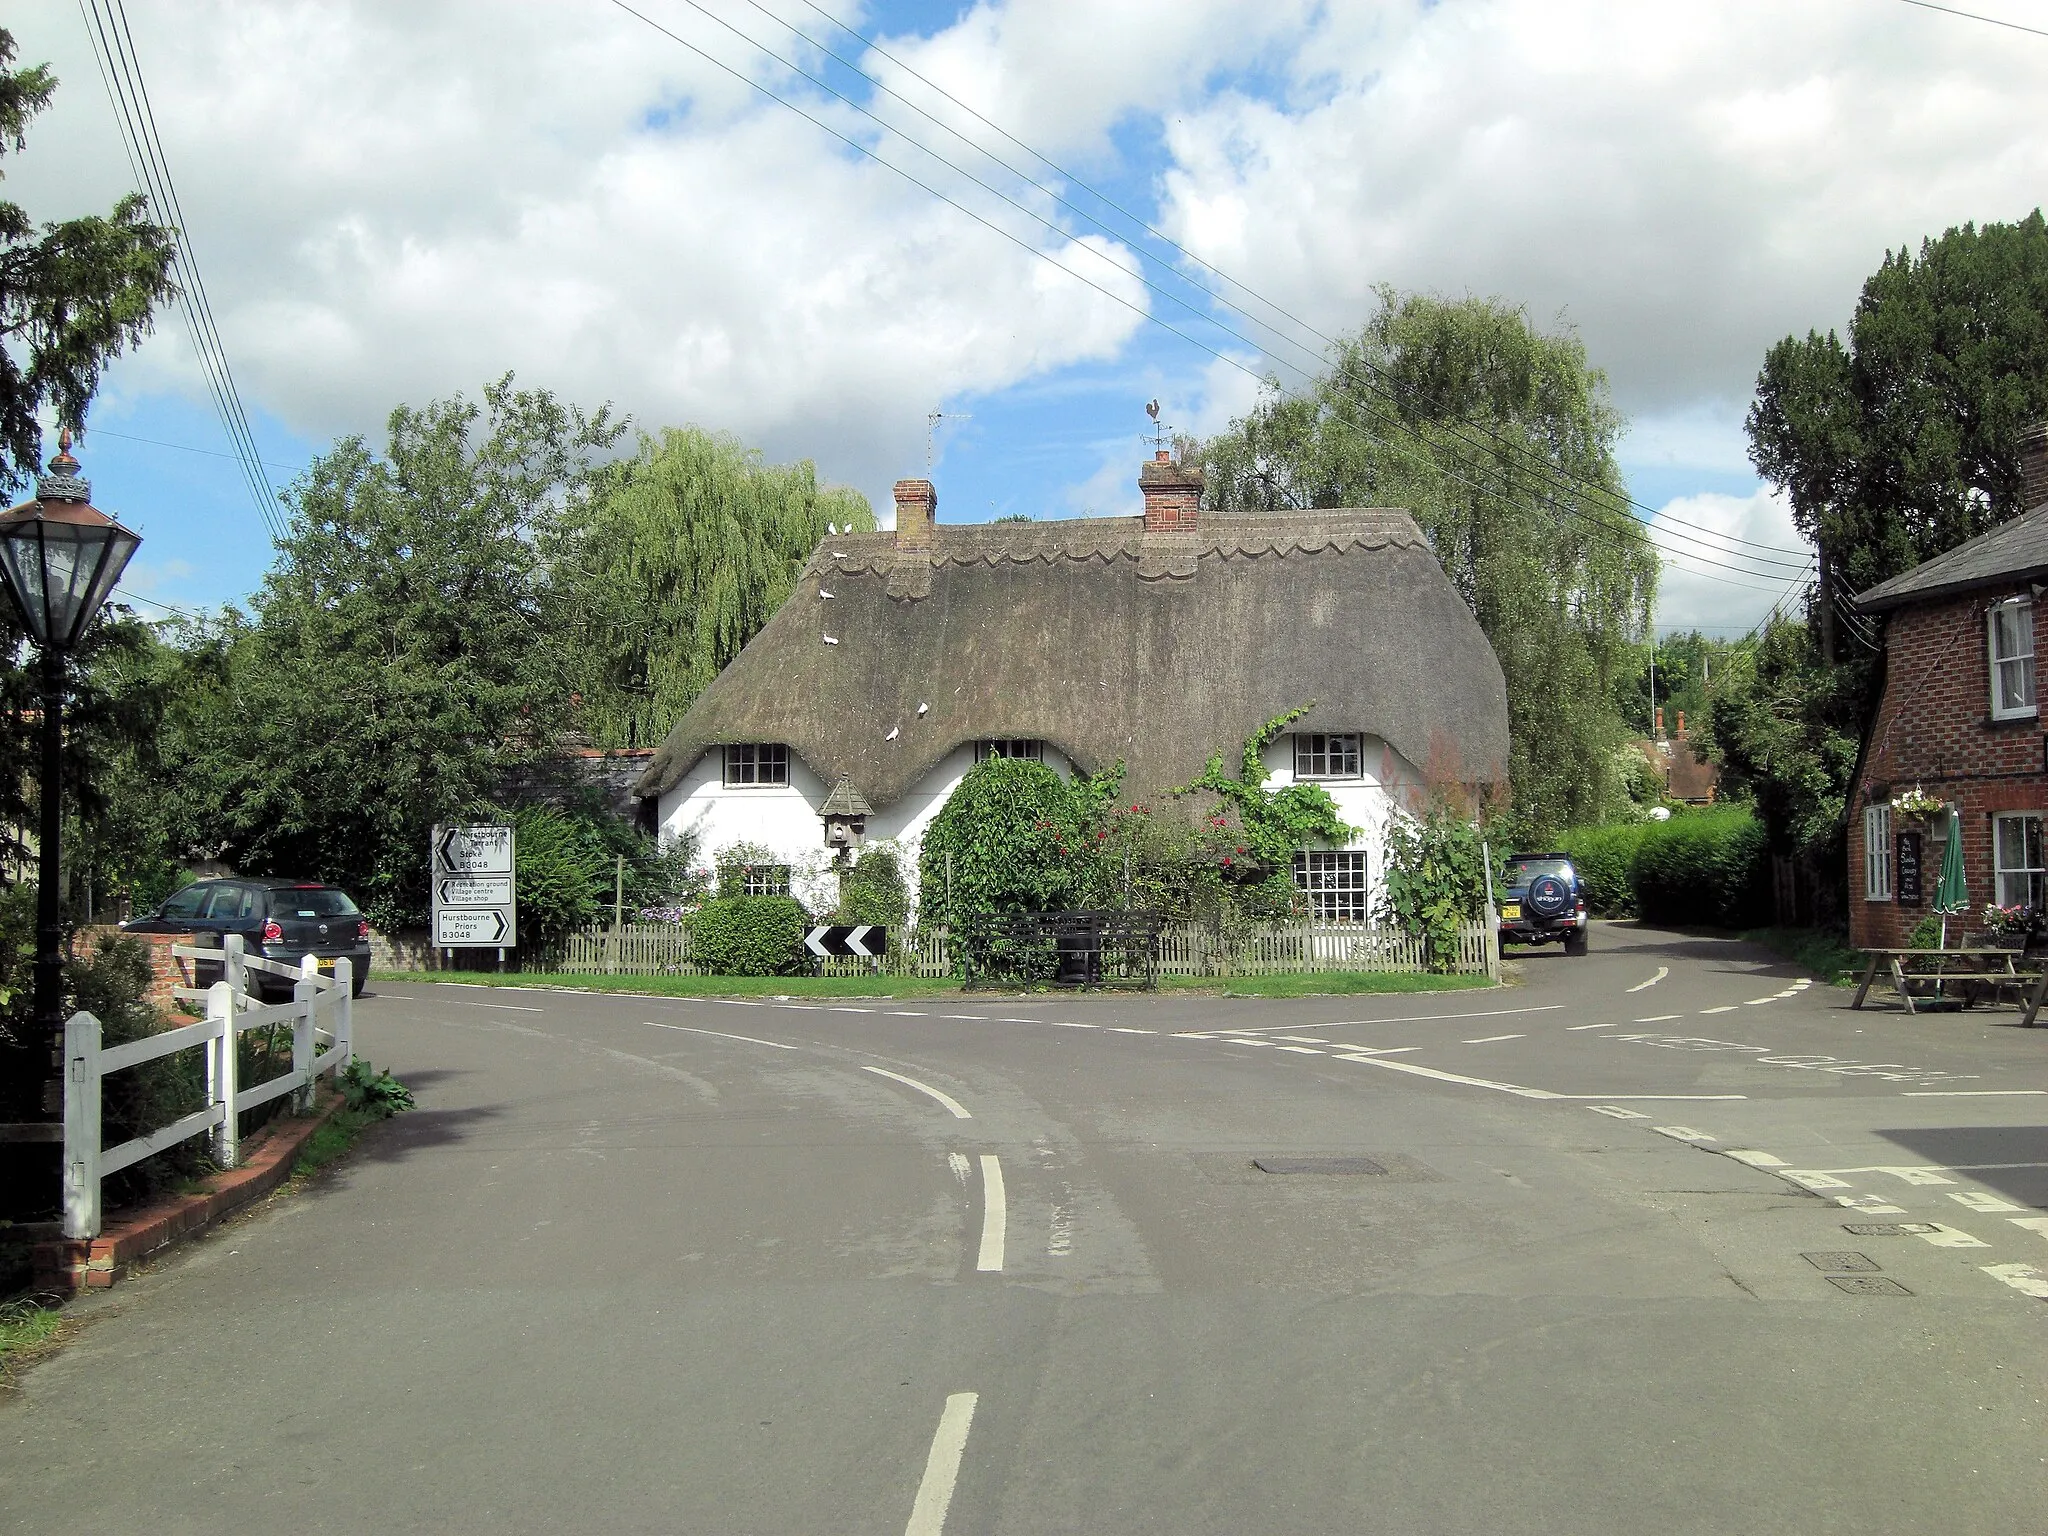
(1969, 975)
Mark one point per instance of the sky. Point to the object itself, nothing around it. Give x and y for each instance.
(1015, 214)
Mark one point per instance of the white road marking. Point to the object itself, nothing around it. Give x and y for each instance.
(1299, 1050)
(1307, 1039)
(1642, 986)
(1682, 1133)
(1617, 1112)
(719, 1034)
(909, 1013)
(2021, 1277)
(1753, 1001)
(1802, 983)
(1755, 1159)
(1659, 1018)
(1968, 1093)
(1070, 1024)
(463, 1002)
(1125, 1029)
(1418, 1018)
(1949, 1237)
(1595, 1026)
(962, 1169)
(2035, 1224)
(1662, 1098)
(1724, 1008)
(1493, 1039)
(1978, 1200)
(995, 1214)
(1870, 1205)
(1236, 1041)
(1453, 1077)
(926, 1088)
(1807, 1179)
(1377, 1050)
(942, 1467)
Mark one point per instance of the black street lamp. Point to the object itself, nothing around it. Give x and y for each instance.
(61, 557)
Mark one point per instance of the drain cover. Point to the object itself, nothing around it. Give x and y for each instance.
(1849, 1262)
(1317, 1165)
(1886, 1228)
(1869, 1285)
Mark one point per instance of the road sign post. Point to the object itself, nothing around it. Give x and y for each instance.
(472, 877)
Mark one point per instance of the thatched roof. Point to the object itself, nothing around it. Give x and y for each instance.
(1110, 643)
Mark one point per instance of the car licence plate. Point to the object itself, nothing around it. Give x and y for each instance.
(1511, 910)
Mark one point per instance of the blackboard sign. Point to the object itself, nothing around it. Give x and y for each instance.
(1908, 867)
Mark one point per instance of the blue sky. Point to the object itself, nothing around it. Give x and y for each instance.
(391, 201)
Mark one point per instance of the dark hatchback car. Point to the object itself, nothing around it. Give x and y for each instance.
(282, 920)
(1544, 901)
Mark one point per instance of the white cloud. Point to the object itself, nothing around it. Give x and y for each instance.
(1716, 579)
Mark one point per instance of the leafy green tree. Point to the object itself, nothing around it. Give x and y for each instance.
(1535, 534)
(681, 554)
(1008, 839)
(1435, 880)
(73, 295)
(563, 869)
(403, 658)
(872, 890)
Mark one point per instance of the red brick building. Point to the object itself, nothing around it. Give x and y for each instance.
(1959, 724)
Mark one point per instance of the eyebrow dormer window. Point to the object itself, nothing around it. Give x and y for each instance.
(1027, 748)
(1321, 756)
(753, 763)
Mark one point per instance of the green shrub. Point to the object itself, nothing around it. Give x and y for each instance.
(1434, 880)
(872, 891)
(1006, 840)
(747, 935)
(563, 868)
(1605, 858)
(1711, 866)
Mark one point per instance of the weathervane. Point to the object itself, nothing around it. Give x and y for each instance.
(1159, 428)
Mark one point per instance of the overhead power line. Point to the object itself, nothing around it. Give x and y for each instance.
(1380, 399)
(106, 23)
(1949, 10)
(1380, 380)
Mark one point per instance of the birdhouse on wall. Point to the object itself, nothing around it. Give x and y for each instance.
(846, 816)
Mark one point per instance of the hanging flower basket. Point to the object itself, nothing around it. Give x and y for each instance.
(1916, 804)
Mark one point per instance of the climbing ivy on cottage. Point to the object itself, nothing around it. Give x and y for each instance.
(1255, 854)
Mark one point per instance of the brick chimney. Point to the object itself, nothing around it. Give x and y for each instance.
(1173, 495)
(2034, 466)
(917, 508)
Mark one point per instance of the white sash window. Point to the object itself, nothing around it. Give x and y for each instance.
(2012, 660)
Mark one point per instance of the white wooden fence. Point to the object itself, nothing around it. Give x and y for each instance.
(230, 1011)
(654, 949)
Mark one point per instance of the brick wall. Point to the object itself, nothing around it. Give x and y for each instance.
(165, 969)
(1173, 495)
(1934, 729)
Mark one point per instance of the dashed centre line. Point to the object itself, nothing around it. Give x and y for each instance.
(1492, 1039)
(995, 1215)
(942, 1467)
(959, 1111)
(1641, 986)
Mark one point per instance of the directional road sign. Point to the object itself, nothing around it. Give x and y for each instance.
(475, 905)
(840, 939)
(472, 928)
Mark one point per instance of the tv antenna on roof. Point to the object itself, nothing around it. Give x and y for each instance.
(931, 426)
(1159, 428)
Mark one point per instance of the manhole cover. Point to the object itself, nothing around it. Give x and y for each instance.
(1317, 1165)
(1886, 1228)
(1851, 1263)
(1869, 1285)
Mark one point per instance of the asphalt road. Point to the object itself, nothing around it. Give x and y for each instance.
(1582, 1265)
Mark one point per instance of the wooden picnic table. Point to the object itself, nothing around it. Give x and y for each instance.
(1973, 973)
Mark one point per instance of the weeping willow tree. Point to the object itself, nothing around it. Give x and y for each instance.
(1500, 439)
(684, 552)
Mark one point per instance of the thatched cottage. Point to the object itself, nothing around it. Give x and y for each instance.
(903, 657)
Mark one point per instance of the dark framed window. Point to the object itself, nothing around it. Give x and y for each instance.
(1319, 755)
(1334, 884)
(756, 762)
(1028, 748)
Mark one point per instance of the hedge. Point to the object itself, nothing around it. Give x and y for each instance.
(1707, 866)
(747, 936)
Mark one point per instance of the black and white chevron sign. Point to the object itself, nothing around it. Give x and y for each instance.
(840, 939)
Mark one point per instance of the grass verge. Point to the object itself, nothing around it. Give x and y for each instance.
(1305, 984)
(1823, 952)
(1321, 983)
(28, 1331)
(332, 1140)
(696, 986)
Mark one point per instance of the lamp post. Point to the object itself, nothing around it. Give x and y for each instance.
(60, 556)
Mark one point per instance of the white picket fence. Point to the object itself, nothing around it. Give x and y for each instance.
(654, 949)
(230, 1012)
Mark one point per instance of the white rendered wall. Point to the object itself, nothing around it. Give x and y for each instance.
(1388, 781)
(785, 818)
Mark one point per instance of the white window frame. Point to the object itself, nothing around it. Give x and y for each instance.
(1335, 883)
(2019, 663)
(2021, 883)
(765, 880)
(1026, 748)
(1877, 852)
(756, 765)
(1329, 755)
